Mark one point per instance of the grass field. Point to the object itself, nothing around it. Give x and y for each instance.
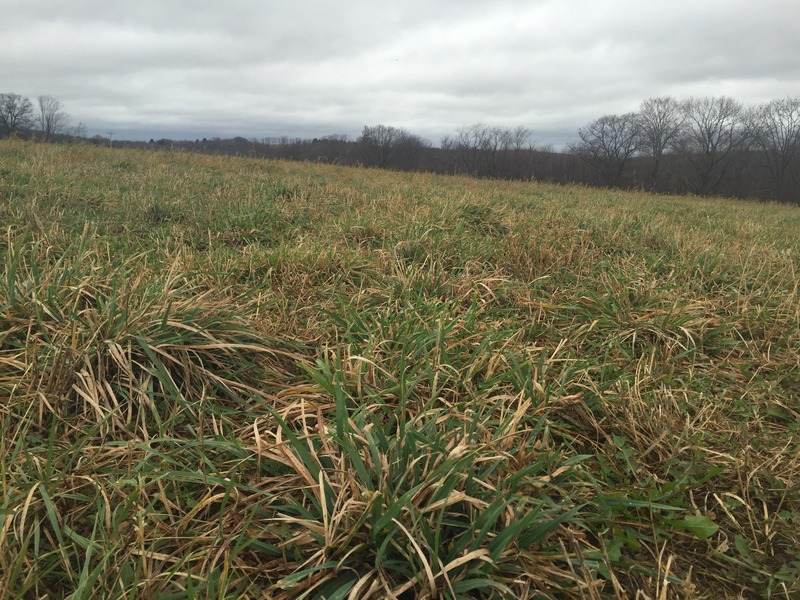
(225, 377)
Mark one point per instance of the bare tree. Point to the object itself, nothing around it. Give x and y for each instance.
(661, 120)
(520, 139)
(520, 148)
(776, 129)
(712, 140)
(377, 144)
(470, 143)
(52, 119)
(15, 113)
(410, 151)
(497, 144)
(608, 143)
(485, 150)
(78, 131)
(380, 145)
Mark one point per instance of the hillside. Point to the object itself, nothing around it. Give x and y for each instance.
(230, 377)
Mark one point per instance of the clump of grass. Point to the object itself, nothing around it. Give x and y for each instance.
(387, 507)
(422, 467)
(114, 344)
(119, 388)
(482, 219)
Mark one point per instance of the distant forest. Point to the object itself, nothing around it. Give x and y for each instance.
(703, 146)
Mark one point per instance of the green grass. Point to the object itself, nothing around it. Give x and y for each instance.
(224, 377)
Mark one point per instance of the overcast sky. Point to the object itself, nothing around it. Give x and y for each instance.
(203, 68)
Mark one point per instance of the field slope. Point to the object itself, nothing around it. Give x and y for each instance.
(226, 377)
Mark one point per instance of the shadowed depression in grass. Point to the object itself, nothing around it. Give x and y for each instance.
(227, 377)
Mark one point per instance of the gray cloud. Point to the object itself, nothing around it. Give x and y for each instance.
(312, 67)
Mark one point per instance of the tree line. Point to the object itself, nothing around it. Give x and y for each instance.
(47, 117)
(700, 145)
(705, 146)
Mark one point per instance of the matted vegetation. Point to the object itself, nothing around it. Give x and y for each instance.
(235, 378)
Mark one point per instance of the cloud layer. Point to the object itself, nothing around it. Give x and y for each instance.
(310, 67)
